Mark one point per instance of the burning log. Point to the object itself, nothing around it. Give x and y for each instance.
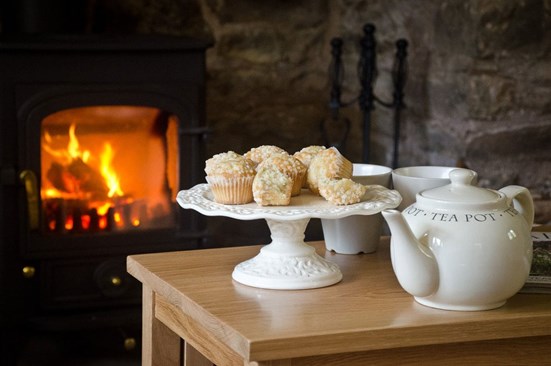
(78, 178)
(89, 180)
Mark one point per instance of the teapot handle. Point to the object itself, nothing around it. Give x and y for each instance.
(521, 199)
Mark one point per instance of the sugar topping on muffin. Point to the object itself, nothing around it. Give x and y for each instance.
(306, 154)
(342, 191)
(287, 164)
(327, 164)
(272, 187)
(230, 164)
(263, 152)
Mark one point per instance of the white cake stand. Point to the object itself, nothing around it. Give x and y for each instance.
(288, 263)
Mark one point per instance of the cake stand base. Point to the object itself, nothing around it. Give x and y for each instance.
(287, 263)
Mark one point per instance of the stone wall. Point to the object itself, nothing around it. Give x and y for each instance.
(478, 91)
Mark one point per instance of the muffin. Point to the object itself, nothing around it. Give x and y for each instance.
(305, 156)
(211, 163)
(325, 165)
(342, 191)
(230, 177)
(261, 153)
(272, 187)
(290, 166)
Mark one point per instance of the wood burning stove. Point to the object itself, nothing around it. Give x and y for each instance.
(98, 134)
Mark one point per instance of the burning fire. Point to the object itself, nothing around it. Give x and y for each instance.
(77, 175)
(108, 173)
(72, 157)
(73, 148)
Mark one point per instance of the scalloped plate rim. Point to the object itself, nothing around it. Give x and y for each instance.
(313, 207)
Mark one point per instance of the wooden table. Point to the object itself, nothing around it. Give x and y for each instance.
(365, 319)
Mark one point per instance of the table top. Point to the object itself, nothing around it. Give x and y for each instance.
(367, 310)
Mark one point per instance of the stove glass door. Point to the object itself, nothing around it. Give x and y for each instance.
(108, 169)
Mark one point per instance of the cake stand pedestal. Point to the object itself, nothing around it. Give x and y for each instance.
(288, 263)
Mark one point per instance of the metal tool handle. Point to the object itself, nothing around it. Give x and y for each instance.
(367, 73)
(336, 75)
(336, 121)
(399, 77)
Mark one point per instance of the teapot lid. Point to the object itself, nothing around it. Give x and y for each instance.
(461, 191)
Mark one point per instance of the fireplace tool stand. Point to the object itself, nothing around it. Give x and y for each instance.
(367, 74)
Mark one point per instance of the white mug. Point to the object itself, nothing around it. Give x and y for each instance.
(409, 181)
(358, 233)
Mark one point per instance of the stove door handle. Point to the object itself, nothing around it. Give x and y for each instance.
(28, 178)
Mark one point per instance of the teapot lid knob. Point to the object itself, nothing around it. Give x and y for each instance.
(461, 176)
(460, 191)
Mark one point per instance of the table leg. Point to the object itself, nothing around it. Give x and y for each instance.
(192, 357)
(160, 345)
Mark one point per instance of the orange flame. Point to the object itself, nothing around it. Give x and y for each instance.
(110, 176)
(73, 150)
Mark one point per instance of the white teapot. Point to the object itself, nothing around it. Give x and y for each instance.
(461, 247)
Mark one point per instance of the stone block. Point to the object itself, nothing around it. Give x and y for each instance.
(489, 96)
(502, 27)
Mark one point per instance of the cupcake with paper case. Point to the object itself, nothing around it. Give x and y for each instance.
(230, 177)
(290, 166)
(272, 187)
(305, 156)
(342, 191)
(261, 153)
(325, 165)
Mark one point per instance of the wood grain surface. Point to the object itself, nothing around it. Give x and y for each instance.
(366, 315)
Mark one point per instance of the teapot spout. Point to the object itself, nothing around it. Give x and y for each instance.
(414, 263)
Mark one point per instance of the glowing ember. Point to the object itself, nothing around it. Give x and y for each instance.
(102, 209)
